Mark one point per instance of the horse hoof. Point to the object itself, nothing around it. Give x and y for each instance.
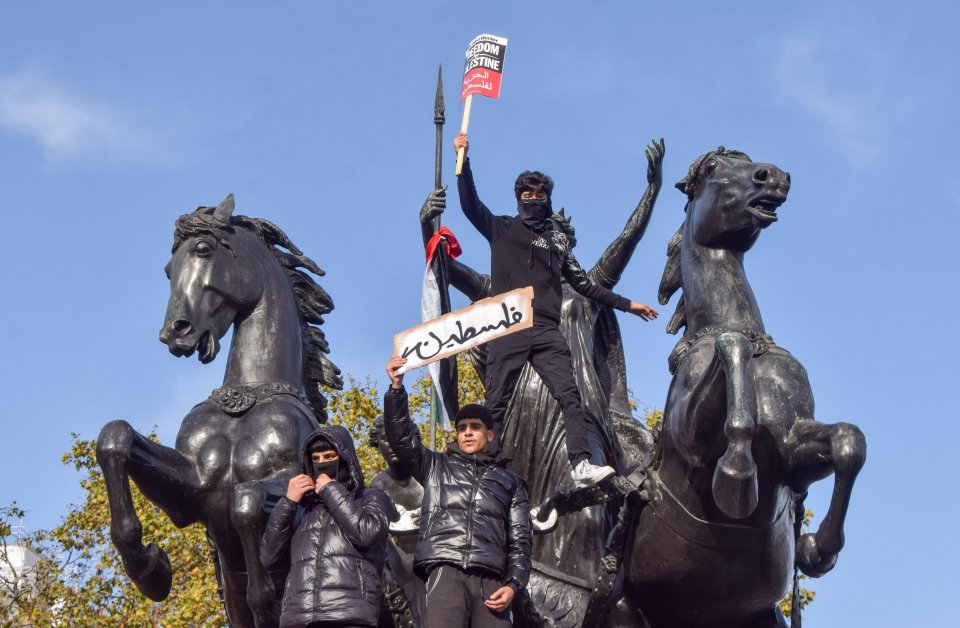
(809, 559)
(156, 579)
(735, 491)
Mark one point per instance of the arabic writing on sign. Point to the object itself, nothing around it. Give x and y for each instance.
(476, 75)
(461, 336)
(466, 328)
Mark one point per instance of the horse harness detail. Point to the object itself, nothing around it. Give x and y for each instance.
(237, 400)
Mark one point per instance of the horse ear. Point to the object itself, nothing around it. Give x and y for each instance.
(224, 210)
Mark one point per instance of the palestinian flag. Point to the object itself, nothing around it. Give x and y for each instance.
(435, 301)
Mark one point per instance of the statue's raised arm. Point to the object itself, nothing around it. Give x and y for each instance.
(474, 285)
(609, 268)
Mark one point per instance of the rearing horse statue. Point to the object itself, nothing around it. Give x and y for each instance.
(236, 450)
(714, 547)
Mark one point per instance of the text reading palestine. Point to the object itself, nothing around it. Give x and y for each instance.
(483, 62)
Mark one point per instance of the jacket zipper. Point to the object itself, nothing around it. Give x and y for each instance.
(473, 498)
(316, 586)
(363, 590)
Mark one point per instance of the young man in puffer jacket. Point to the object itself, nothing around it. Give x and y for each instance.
(475, 540)
(333, 532)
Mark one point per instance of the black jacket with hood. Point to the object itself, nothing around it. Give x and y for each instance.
(334, 542)
(475, 512)
(520, 256)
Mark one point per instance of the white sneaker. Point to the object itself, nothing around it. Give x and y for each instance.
(586, 474)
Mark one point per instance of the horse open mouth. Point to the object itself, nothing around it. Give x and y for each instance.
(764, 208)
(209, 346)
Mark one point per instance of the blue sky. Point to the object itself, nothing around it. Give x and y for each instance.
(115, 119)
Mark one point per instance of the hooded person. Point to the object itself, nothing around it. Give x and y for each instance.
(526, 250)
(332, 531)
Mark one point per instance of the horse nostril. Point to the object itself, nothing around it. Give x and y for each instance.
(181, 327)
(760, 175)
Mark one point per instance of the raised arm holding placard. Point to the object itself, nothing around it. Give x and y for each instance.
(527, 250)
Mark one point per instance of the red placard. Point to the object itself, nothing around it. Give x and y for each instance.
(483, 69)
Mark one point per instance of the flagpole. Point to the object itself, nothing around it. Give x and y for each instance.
(438, 121)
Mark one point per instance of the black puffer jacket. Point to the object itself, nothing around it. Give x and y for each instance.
(335, 543)
(475, 512)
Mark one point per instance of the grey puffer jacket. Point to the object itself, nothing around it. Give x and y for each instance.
(475, 514)
(335, 544)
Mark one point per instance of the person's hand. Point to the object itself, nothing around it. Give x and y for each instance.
(460, 141)
(645, 312)
(655, 162)
(434, 205)
(322, 480)
(298, 486)
(500, 600)
(396, 379)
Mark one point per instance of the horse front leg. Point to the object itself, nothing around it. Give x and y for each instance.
(814, 450)
(121, 453)
(248, 512)
(735, 488)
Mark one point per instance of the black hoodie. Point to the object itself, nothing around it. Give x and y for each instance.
(520, 256)
(335, 543)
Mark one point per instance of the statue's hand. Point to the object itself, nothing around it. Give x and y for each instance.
(434, 205)
(655, 152)
(409, 521)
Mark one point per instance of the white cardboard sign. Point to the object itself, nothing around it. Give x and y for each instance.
(447, 335)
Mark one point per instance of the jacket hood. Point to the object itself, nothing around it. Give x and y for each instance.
(342, 442)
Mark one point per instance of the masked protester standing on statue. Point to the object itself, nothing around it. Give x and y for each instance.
(332, 531)
(475, 539)
(526, 250)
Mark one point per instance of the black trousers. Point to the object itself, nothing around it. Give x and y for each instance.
(455, 600)
(548, 353)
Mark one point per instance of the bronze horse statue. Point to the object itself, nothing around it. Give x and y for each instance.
(714, 547)
(237, 449)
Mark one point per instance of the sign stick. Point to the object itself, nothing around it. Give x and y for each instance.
(463, 129)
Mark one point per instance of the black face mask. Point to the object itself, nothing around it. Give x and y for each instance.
(534, 213)
(331, 468)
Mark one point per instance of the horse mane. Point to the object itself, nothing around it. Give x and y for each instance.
(672, 280)
(312, 300)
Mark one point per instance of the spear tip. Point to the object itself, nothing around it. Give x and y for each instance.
(438, 103)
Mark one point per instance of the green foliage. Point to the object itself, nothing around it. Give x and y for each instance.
(80, 580)
(356, 407)
(653, 418)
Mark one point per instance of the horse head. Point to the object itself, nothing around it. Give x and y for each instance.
(208, 288)
(731, 198)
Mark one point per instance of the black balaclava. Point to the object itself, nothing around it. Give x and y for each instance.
(331, 468)
(534, 213)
